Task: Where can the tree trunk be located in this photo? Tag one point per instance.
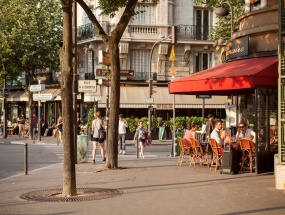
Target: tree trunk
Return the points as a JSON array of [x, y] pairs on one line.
[[112, 145], [69, 178]]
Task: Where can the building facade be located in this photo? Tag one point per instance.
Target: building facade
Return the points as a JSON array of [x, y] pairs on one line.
[[194, 52]]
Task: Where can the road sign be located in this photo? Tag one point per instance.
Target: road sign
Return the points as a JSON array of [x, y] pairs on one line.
[[85, 86], [102, 72], [129, 73], [6, 92], [37, 87], [44, 96], [104, 82], [149, 100], [203, 96]]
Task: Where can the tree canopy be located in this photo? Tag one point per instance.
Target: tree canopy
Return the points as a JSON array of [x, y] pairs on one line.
[[30, 32], [223, 26]]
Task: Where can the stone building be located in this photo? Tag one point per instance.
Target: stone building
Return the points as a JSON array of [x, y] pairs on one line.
[[194, 52]]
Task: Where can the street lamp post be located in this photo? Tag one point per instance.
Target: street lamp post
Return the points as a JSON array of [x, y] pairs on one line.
[[221, 11], [150, 80]]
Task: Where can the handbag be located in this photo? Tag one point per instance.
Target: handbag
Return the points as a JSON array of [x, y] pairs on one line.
[[91, 137]]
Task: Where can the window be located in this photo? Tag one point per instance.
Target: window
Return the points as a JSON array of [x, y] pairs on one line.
[[202, 61], [139, 62], [147, 17], [202, 24]]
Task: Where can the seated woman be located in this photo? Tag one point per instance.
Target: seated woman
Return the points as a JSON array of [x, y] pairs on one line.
[[190, 133], [225, 135]]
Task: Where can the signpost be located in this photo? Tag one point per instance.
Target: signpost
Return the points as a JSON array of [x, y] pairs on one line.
[[203, 104], [128, 73], [45, 97], [149, 100], [37, 87], [85, 86]]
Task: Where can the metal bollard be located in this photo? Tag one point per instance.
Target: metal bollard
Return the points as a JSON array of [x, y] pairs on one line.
[[26, 159], [34, 135]]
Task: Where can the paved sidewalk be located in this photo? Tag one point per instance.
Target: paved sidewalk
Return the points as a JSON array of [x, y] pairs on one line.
[[154, 185]]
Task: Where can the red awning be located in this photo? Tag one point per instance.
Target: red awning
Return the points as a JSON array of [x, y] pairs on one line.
[[229, 78]]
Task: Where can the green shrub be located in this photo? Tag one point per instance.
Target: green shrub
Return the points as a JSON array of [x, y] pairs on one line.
[[90, 117]]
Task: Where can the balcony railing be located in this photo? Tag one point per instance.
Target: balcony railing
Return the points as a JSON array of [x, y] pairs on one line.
[[193, 32], [88, 31]]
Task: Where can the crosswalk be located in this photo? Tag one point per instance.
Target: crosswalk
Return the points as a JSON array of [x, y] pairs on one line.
[[58, 151]]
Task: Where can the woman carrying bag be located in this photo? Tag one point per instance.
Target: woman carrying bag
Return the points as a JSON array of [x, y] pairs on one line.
[[141, 132], [97, 125]]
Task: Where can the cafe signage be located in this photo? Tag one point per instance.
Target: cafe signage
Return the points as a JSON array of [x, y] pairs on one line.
[[237, 48]]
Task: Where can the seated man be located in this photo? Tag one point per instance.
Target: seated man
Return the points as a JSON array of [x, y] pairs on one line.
[[245, 132], [216, 133]]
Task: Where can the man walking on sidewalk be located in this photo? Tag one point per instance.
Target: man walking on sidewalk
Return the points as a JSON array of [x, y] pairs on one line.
[[122, 133]]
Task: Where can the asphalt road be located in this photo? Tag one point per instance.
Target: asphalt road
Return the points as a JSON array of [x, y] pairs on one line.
[[39, 156], [12, 158]]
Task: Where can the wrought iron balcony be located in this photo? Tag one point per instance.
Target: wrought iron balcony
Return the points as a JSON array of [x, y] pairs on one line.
[[88, 31], [193, 32]]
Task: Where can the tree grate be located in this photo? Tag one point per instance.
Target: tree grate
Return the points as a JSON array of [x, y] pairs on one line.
[[83, 194]]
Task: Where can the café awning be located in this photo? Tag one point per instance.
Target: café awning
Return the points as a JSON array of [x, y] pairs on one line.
[[229, 78]]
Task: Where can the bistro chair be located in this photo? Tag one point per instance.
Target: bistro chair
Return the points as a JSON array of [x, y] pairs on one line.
[[248, 153], [217, 154], [184, 150], [197, 152]]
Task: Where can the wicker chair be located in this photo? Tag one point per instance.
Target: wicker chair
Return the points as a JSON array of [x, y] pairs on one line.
[[197, 152], [248, 153], [217, 154], [184, 150]]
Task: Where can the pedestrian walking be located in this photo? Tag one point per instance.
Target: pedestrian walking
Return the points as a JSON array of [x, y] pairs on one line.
[[141, 134], [123, 125], [21, 122], [210, 126], [97, 126]]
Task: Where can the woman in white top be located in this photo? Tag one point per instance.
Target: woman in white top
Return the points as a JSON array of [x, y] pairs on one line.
[[96, 125], [122, 132]]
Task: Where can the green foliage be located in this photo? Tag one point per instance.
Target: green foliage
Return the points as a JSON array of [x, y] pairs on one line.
[[156, 123], [132, 123], [90, 117], [111, 7], [223, 28], [29, 36]]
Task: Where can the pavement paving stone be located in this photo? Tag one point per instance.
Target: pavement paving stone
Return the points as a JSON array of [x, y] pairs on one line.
[[154, 185]]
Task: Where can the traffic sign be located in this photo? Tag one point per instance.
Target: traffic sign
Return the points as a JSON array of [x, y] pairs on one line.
[[37, 87], [85, 86], [102, 72], [44, 96], [129, 73], [203, 96], [149, 100], [6, 92]]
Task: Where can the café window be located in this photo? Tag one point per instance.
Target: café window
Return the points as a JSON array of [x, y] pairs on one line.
[[257, 4]]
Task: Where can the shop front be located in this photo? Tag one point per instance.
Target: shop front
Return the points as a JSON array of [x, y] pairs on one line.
[[251, 85]]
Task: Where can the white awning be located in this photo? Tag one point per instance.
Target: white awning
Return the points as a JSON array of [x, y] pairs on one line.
[[17, 96], [135, 97]]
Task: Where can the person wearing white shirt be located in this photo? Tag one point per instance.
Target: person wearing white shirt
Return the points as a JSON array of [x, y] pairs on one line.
[[245, 132], [122, 133], [216, 133]]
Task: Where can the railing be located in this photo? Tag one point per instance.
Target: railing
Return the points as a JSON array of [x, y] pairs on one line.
[[193, 32], [140, 29], [88, 31]]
